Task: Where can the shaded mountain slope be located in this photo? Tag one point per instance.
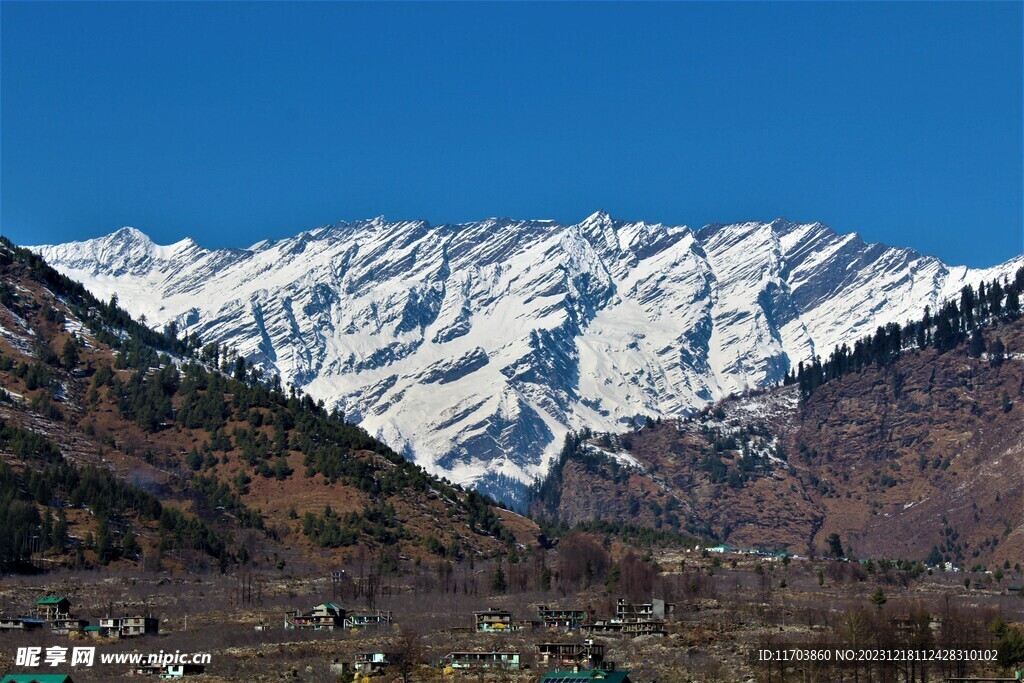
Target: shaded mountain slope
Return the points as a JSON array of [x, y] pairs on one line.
[[201, 460], [919, 458], [474, 348]]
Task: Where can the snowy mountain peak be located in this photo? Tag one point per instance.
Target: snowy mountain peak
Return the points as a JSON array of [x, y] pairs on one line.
[[129, 234], [474, 347], [599, 217]]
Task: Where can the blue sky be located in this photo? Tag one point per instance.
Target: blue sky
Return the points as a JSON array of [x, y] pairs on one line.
[[237, 122]]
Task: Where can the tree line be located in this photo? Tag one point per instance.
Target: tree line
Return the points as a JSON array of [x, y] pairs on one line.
[[175, 381], [956, 322]]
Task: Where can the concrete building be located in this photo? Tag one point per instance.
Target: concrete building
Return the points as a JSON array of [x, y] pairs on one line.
[[128, 626], [506, 659], [586, 654], [367, 619], [490, 620], [554, 617], [372, 662], [326, 616], [655, 609]]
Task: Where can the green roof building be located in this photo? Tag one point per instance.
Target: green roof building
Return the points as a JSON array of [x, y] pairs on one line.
[[53, 607], [36, 678], [51, 600], [596, 675]]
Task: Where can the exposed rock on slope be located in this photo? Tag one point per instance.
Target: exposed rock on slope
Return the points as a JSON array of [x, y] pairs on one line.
[[473, 348]]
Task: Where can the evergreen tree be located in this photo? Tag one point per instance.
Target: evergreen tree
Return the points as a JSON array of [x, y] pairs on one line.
[[977, 346], [239, 372], [46, 530], [995, 299], [967, 305], [130, 544], [60, 532], [498, 582], [1012, 303], [945, 337], [835, 545], [69, 354], [104, 544], [998, 354]]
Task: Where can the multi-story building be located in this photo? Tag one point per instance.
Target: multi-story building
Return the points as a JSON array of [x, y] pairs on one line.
[[586, 654], [128, 626], [554, 617], [506, 659], [326, 616]]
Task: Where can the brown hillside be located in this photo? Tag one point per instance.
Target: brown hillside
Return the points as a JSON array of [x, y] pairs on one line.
[[928, 452], [82, 416]]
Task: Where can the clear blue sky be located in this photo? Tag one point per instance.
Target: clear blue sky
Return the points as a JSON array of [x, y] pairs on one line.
[[237, 122]]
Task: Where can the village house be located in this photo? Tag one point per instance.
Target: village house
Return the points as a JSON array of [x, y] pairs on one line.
[[53, 607], [36, 678], [650, 627], [19, 624], [128, 626], [366, 619], [492, 620], [326, 616], [499, 621], [68, 625], [655, 609], [644, 628], [507, 660], [370, 663], [587, 654], [553, 617]]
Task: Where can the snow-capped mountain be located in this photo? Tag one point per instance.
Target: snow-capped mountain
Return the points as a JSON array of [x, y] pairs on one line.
[[474, 347]]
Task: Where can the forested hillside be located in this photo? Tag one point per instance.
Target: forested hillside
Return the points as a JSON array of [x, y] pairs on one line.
[[906, 444], [126, 445]]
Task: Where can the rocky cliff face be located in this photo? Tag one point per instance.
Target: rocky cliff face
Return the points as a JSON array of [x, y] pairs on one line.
[[473, 348]]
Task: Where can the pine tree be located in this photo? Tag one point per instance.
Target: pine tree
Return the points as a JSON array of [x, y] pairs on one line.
[[998, 354], [69, 354], [945, 337], [130, 544], [1013, 303], [60, 532], [967, 305], [995, 299], [46, 532], [498, 583], [835, 545], [977, 346], [239, 372], [104, 546]]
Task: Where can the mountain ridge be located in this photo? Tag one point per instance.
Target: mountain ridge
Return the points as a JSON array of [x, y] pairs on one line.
[[474, 347], [905, 444]]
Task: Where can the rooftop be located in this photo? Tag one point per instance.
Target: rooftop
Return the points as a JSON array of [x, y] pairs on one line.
[[51, 600], [587, 675]]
